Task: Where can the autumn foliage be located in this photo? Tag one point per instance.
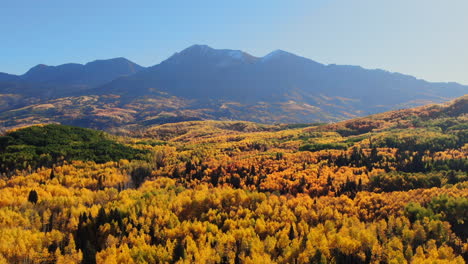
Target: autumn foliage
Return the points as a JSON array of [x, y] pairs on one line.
[[373, 191]]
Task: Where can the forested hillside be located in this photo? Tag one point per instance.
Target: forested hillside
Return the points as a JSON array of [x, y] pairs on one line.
[[388, 188]]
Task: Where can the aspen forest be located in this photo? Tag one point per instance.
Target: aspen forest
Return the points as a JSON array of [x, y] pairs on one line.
[[387, 188]]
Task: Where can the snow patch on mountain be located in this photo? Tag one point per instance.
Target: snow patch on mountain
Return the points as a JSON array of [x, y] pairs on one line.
[[236, 54], [273, 54]]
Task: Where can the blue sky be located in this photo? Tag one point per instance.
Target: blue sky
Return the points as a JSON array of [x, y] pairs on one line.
[[427, 39]]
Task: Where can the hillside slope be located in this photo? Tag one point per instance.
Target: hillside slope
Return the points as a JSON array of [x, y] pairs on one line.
[[385, 188]]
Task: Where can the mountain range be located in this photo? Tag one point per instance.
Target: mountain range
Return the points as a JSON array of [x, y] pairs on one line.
[[205, 83], [52, 81]]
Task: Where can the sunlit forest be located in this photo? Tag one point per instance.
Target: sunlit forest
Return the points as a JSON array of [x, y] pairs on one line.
[[388, 188]]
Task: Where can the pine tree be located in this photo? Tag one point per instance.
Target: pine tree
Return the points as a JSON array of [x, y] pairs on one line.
[[179, 251], [291, 233], [33, 197]]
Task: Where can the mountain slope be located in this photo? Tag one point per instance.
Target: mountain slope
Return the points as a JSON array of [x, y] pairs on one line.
[[52, 81], [451, 115], [205, 83], [200, 72], [90, 74], [5, 77]]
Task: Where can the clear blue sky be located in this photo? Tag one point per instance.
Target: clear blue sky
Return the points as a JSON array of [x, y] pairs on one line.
[[425, 38]]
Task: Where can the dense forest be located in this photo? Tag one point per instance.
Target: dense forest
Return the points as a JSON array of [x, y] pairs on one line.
[[388, 188]]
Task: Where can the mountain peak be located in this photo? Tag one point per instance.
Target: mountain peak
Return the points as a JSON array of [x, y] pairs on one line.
[[115, 62], [276, 54], [36, 69], [197, 48], [78, 75], [118, 59], [218, 57]]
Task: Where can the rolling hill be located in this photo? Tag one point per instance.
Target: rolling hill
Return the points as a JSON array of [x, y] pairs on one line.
[[387, 188]]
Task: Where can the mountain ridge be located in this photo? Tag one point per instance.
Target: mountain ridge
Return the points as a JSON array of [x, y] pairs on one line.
[[277, 51], [50, 81], [200, 83], [204, 72]]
